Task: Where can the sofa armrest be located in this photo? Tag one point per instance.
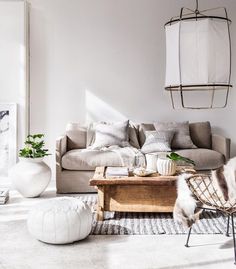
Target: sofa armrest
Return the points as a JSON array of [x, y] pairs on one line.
[[61, 148], [222, 145]]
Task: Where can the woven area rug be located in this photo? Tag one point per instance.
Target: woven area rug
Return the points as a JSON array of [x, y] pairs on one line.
[[121, 223]]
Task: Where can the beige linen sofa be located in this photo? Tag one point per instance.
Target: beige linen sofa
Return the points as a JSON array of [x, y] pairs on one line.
[[75, 163]]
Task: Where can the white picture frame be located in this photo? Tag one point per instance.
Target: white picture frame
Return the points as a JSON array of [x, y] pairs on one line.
[[8, 137]]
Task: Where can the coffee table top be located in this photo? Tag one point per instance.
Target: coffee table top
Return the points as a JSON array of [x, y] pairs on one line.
[[154, 179]]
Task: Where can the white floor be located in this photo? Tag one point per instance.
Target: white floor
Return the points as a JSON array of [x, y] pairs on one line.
[[20, 251]]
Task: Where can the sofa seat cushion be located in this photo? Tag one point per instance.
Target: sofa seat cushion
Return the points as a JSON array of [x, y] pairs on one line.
[[204, 158], [89, 159]]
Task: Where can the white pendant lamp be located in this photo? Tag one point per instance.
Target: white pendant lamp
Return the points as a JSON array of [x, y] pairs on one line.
[[198, 55]]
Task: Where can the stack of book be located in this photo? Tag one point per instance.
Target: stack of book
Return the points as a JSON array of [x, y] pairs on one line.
[[4, 195], [117, 172]]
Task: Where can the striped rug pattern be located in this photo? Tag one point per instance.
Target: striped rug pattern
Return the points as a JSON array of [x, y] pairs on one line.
[[124, 223]]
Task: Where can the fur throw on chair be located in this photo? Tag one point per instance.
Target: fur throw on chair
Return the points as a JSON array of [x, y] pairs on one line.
[[185, 209], [223, 179]]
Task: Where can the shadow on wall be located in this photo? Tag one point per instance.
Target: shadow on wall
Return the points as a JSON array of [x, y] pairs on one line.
[[98, 110]]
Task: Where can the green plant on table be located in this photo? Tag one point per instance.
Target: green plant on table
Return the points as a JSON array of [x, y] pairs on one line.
[[176, 157], [34, 147]]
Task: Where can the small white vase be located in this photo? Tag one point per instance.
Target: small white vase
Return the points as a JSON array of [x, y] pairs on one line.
[[165, 166], [30, 176]]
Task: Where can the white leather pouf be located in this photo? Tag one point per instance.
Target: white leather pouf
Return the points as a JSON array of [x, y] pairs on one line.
[[60, 220]]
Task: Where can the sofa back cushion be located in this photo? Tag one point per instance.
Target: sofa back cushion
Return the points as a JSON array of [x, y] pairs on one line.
[[76, 136], [133, 135], [181, 139], [143, 127], [200, 133]]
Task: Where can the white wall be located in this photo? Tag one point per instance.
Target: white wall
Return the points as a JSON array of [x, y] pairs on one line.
[[105, 59], [14, 61]]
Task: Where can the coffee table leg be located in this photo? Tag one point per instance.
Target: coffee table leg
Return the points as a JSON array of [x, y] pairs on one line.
[[100, 209]]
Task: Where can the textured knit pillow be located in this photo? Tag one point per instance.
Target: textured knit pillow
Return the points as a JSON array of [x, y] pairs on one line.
[[111, 134], [157, 141], [181, 139]]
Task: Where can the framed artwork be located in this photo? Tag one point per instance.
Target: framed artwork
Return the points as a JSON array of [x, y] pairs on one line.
[[8, 137]]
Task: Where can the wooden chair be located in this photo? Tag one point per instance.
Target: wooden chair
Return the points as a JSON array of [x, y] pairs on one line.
[[204, 190]]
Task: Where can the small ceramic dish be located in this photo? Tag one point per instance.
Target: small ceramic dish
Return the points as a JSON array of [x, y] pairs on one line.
[[142, 172]]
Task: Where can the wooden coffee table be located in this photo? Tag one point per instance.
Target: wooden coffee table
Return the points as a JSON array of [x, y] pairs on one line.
[[154, 193]]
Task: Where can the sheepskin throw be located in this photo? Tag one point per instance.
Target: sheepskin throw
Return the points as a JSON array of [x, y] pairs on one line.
[[218, 190]]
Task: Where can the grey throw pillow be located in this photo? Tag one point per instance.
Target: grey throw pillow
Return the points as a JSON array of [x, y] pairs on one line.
[[181, 139], [111, 134], [157, 141], [133, 135]]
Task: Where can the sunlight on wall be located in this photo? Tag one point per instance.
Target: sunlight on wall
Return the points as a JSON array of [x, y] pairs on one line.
[[98, 110]]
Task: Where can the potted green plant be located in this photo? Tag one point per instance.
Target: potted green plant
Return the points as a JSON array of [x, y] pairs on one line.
[[167, 165], [34, 147], [31, 175], [176, 157]]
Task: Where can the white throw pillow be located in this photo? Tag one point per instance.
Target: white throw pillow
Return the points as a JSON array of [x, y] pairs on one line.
[[132, 134], [107, 135], [157, 141]]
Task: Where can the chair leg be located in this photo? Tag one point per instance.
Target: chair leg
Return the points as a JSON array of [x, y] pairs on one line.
[[189, 233], [232, 219], [228, 221]]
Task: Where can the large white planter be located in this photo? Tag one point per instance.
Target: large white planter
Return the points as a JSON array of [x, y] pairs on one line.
[[30, 176], [165, 166]]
